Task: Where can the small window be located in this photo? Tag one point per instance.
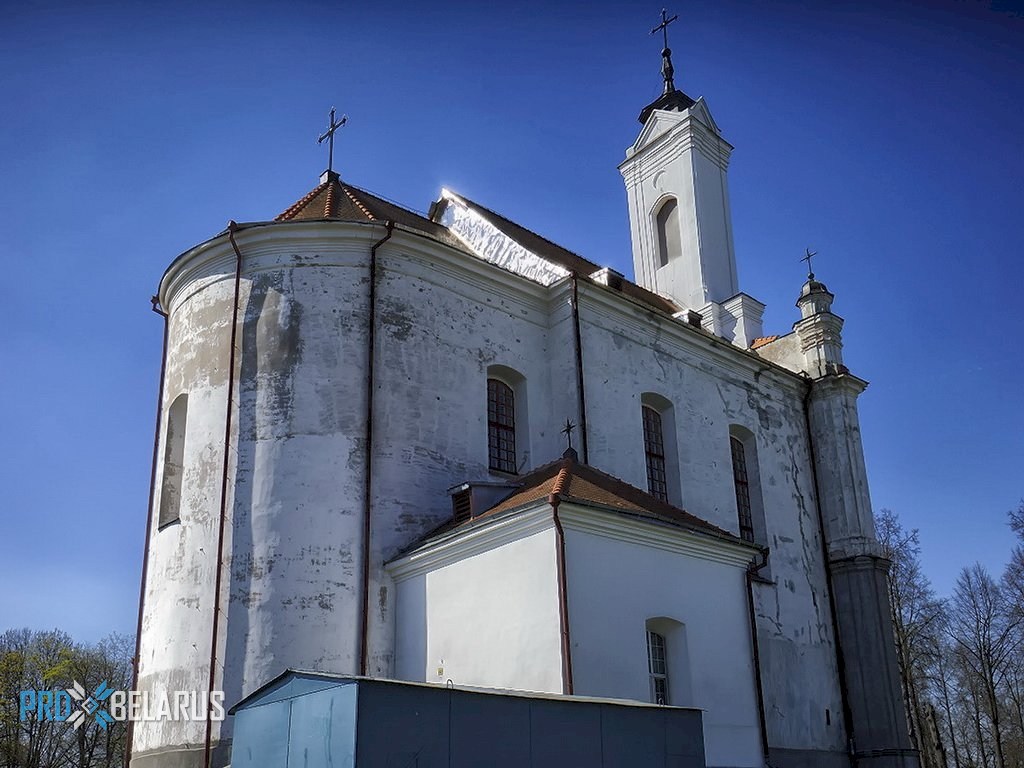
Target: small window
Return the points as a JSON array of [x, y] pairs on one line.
[[501, 426], [669, 246], [741, 479], [654, 451], [174, 461], [657, 665]]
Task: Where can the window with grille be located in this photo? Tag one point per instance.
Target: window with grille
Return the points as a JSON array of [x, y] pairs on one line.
[[501, 426], [654, 451], [658, 667], [742, 482]]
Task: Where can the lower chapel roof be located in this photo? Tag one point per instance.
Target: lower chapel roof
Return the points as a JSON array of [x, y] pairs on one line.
[[569, 480]]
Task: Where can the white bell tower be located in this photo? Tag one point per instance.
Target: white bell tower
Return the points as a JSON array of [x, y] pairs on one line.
[[679, 215]]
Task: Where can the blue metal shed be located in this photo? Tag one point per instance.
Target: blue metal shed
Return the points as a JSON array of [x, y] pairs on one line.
[[312, 720]]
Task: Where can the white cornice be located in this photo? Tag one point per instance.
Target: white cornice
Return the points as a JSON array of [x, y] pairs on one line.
[[335, 243], [491, 533], [471, 540], [612, 305], [650, 533]]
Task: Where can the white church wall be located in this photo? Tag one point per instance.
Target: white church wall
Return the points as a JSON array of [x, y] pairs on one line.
[[616, 586], [711, 392], [290, 548], [443, 322], [484, 618]]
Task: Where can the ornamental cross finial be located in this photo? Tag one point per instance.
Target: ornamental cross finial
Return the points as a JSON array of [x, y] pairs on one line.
[[328, 135], [667, 72], [809, 254], [567, 431]]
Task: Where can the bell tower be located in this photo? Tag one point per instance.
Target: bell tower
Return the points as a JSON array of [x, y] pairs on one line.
[[679, 215]]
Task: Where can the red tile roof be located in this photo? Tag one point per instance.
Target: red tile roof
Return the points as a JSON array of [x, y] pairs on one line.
[[336, 200], [570, 481], [760, 342]]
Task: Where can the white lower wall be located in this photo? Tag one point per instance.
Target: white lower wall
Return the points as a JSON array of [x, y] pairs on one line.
[[490, 619], [615, 587]]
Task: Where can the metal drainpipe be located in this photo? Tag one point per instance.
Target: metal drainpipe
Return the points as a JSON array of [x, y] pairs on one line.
[[840, 659], [149, 526], [579, 369], [364, 648], [232, 228], [563, 606], [752, 570]]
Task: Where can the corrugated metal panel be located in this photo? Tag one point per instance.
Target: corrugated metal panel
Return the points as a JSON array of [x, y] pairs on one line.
[[297, 722]]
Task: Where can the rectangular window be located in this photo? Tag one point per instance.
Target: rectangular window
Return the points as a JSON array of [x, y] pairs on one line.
[[654, 451], [657, 667]]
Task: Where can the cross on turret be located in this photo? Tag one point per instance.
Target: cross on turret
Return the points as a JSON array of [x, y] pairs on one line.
[[809, 255]]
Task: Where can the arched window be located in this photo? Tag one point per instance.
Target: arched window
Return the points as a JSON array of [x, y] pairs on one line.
[[741, 480], [668, 662], [660, 455], [501, 426], [174, 461], [746, 477], [654, 452], [667, 220]]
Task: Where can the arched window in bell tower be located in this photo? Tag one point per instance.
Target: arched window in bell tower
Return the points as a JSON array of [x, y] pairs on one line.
[[667, 222]]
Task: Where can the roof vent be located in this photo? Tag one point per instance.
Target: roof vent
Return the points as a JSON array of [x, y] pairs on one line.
[[462, 504], [609, 277], [474, 498]]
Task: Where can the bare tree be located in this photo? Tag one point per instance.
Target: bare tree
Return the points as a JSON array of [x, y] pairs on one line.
[[986, 638], [917, 617]]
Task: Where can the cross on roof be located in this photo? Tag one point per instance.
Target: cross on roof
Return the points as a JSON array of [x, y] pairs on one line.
[[567, 431], [809, 255], [329, 136]]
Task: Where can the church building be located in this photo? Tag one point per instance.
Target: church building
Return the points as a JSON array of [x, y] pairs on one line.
[[443, 449]]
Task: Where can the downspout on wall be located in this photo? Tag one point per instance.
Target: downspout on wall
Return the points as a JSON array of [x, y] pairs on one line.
[[232, 228], [580, 386], [371, 323], [563, 604], [833, 614], [149, 523], [752, 574]]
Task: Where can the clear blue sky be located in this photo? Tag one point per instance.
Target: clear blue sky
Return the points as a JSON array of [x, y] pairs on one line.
[[886, 135]]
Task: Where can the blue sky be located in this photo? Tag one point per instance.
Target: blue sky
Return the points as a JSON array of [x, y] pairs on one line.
[[884, 135]]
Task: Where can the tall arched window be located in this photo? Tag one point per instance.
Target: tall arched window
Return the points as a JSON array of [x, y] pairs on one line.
[[660, 455], [741, 479], [501, 426], [654, 452], [174, 461], [669, 244]]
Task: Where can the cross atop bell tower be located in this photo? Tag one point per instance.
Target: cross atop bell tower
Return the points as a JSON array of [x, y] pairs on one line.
[[667, 73]]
